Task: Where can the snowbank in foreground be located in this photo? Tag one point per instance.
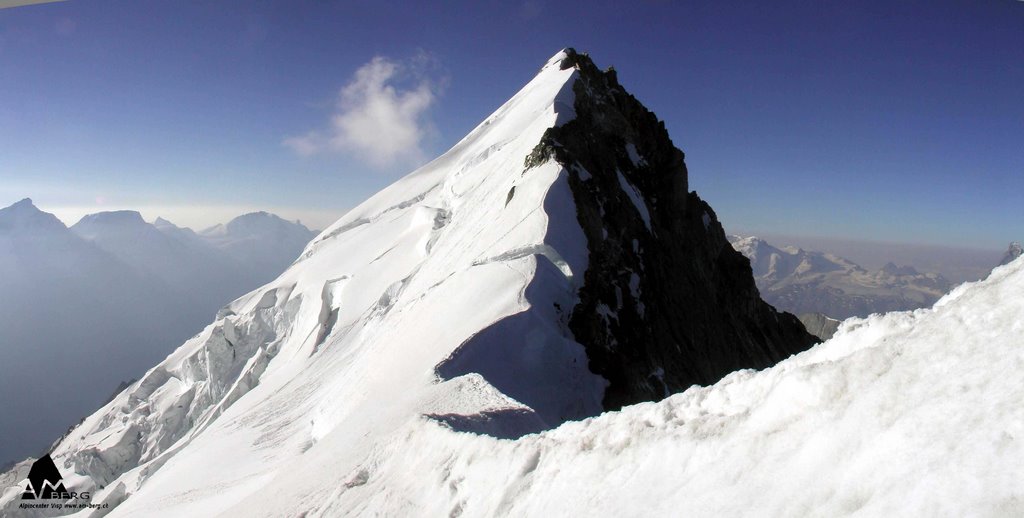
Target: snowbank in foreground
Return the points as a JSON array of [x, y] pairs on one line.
[[904, 414]]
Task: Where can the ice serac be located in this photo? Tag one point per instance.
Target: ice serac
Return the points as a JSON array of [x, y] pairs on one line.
[[666, 302], [477, 294]]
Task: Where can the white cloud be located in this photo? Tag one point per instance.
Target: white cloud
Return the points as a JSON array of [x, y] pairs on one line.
[[380, 115]]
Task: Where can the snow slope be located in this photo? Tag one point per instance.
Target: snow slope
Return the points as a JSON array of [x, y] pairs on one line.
[[904, 414], [389, 312]]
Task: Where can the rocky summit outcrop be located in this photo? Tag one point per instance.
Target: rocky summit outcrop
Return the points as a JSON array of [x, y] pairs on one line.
[[666, 302], [1012, 253]]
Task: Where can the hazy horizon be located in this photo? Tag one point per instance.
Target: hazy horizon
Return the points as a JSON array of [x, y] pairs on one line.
[[958, 263], [199, 218]]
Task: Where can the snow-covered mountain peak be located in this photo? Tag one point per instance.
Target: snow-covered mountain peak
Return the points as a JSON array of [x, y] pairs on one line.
[[521, 120], [551, 265]]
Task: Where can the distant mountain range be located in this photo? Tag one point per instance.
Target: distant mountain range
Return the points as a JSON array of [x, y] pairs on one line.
[[802, 281], [98, 303]]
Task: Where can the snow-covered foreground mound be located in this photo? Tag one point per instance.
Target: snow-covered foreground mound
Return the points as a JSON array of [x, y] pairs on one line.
[[904, 414]]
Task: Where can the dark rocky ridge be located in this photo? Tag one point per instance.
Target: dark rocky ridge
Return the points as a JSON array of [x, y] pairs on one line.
[[666, 303]]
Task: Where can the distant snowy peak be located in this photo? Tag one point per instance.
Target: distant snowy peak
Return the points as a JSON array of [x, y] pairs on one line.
[[804, 281], [120, 231], [773, 264], [114, 218], [257, 224], [1012, 253], [104, 225], [264, 242], [24, 216]]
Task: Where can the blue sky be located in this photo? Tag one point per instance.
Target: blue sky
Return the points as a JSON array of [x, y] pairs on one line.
[[885, 121]]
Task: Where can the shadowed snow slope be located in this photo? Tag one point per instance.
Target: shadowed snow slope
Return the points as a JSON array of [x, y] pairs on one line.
[[446, 303], [904, 414]]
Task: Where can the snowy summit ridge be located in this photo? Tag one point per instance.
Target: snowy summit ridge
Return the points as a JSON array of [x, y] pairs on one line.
[[551, 265]]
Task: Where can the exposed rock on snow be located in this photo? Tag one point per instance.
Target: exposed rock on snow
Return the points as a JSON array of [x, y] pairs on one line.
[[1012, 253], [694, 313]]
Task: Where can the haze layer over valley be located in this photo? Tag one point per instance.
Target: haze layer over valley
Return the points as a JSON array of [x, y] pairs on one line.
[[88, 307]]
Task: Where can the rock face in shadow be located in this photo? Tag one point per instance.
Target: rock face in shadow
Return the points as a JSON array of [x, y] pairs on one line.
[[666, 302]]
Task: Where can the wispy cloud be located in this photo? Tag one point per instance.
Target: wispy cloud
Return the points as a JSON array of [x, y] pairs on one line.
[[381, 114]]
